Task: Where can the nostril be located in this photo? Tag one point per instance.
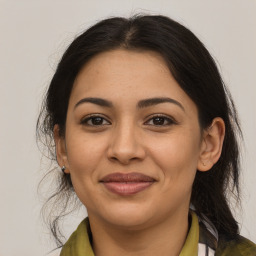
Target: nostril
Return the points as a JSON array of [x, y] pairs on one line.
[[123, 160], [113, 158]]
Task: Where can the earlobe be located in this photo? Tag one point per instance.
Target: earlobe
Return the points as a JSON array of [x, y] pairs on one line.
[[211, 146], [60, 148]]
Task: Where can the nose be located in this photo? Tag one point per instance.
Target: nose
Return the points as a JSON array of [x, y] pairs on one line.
[[126, 145]]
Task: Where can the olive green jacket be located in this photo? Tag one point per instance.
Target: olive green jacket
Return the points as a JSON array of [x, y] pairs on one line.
[[79, 244], [237, 247]]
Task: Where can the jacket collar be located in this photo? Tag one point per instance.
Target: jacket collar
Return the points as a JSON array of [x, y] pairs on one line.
[[200, 240]]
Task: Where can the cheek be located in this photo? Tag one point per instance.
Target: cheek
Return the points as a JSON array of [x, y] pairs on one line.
[[177, 157], [84, 154]]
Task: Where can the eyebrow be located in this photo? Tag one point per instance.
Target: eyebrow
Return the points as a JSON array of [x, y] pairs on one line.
[[154, 101], [97, 101], [141, 104]]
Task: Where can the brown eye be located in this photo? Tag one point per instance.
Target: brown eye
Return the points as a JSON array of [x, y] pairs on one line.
[[95, 121], [158, 120], [161, 121]]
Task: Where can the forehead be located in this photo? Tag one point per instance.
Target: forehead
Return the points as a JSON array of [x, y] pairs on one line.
[[123, 64], [123, 75]]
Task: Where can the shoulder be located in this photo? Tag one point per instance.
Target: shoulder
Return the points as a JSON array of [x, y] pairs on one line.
[[240, 246]]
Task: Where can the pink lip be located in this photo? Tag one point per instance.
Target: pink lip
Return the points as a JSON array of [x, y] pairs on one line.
[[128, 183]]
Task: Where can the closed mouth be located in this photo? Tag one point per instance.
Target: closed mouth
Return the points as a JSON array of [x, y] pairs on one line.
[[127, 184], [127, 177]]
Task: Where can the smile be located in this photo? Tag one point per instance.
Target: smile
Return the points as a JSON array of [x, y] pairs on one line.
[[127, 184]]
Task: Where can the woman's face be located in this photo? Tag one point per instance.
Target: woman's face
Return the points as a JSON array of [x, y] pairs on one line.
[[127, 115]]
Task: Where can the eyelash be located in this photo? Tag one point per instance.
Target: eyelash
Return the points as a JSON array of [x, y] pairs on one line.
[[84, 121], [170, 121]]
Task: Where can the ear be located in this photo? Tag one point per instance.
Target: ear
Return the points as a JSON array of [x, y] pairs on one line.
[[60, 145], [211, 146]]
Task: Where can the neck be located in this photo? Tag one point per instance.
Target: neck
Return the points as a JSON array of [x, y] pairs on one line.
[[166, 238]]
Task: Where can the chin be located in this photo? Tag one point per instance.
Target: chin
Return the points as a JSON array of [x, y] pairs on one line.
[[130, 218]]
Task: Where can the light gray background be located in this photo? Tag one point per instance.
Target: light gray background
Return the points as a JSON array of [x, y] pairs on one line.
[[33, 35]]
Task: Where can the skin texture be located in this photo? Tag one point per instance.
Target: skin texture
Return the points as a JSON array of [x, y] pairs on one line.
[[127, 139]]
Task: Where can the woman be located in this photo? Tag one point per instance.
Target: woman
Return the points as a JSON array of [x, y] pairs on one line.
[[146, 134]]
